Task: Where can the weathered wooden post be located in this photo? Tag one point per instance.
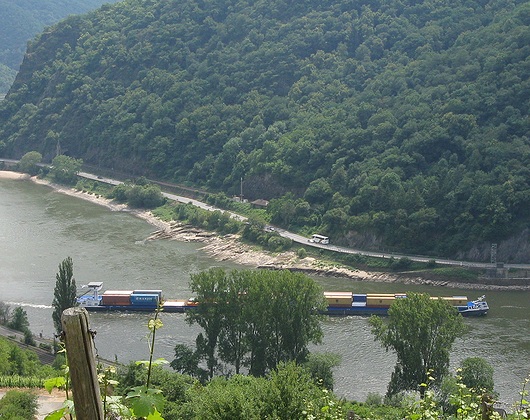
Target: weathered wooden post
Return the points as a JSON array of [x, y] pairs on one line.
[[82, 364]]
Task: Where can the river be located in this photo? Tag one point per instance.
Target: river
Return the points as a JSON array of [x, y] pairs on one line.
[[39, 228]]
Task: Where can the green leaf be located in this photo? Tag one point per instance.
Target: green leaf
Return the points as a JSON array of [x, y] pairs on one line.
[[146, 401], [140, 408], [56, 415], [155, 416], [52, 383]]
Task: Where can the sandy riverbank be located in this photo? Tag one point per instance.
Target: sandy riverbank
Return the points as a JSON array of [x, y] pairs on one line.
[[230, 248], [13, 175]]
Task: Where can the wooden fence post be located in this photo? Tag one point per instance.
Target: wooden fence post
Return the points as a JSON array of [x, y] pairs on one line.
[[82, 364]]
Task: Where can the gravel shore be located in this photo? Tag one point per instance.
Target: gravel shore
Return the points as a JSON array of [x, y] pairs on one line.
[[230, 248]]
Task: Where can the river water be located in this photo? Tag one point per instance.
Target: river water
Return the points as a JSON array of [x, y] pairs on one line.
[[39, 228]]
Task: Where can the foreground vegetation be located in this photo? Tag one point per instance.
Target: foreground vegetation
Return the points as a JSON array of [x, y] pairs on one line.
[[284, 380]]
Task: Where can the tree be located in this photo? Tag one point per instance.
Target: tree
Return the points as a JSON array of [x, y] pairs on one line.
[[65, 169], [259, 318], [28, 163], [65, 291], [19, 320], [209, 287], [186, 361], [283, 318], [421, 331], [233, 346], [476, 373]]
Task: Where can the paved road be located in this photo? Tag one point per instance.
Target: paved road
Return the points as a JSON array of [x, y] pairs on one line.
[[174, 197], [303, 240]]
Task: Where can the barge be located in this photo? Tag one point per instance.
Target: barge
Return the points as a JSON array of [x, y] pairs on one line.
[[348, 303], [339, 303]]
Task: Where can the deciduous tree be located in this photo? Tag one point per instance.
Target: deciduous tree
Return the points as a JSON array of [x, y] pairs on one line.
[[19, 320], [210, 287], [477, 373], [65, 169], [257, 318], [421, 331], [28, 163]]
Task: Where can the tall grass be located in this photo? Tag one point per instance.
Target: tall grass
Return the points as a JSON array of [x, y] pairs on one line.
[[16, 381]]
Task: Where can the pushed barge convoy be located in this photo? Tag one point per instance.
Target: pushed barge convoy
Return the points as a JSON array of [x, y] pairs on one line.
[[348, 303], [339, 303]]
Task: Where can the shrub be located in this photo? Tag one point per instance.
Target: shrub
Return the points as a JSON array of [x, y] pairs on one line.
[[374, 399], [28, 338], [401, 264], [302, 253], [17, 405]]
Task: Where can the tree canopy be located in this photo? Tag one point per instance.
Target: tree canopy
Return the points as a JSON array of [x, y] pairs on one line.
[[421, 332], [65, 169], [29, 163], [21, 20], [391, 124], [256, 319]]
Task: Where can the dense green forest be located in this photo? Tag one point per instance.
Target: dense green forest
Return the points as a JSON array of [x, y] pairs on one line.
[[396, 124], [21, 20]]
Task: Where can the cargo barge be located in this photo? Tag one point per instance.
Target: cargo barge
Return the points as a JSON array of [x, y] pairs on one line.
[[339, 303], [348, 303]]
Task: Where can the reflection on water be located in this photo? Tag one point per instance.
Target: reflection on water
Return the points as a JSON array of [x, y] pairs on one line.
[[39, 228]]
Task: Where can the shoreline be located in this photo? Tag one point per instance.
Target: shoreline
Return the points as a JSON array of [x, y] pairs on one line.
[[230, 248]]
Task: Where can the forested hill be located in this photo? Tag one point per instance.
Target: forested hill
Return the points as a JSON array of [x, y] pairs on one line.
[[21, 20], [396, 123]]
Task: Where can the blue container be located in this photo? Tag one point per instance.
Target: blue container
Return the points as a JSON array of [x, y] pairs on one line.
[[144, 300], [359, 298], [148, 292]]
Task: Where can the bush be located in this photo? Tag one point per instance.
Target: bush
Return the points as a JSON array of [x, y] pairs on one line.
[[301, 253], [431, 264], [477, 373], [401, 264], [320, 367], [17, 405], [277, 243], [141, 196], [45, 346], [28, 338], [29, 163], [374, 399]]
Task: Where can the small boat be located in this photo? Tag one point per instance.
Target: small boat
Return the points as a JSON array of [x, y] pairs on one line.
[[339, 303]]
